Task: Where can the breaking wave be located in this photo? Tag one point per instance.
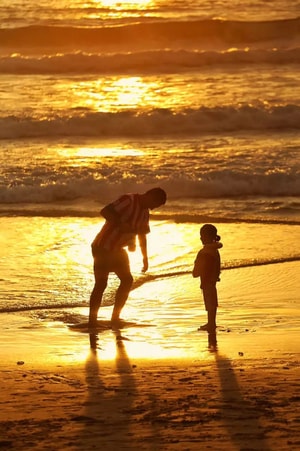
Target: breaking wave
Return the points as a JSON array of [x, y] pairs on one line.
[[157, 61], [162, 121]]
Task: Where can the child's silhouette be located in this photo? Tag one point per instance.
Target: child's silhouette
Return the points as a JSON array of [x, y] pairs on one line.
[[207, 266]]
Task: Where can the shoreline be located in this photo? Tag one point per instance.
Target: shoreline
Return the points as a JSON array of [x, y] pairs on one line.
[[46, 343]]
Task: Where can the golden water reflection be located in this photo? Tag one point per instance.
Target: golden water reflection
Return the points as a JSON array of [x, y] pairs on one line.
[[114, 93], [120, 6], [99, 152]]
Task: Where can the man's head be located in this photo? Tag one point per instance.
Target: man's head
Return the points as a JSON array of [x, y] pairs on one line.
[[154, 198]]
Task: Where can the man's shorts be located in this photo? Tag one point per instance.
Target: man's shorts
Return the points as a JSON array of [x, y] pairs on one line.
[[110, 260]]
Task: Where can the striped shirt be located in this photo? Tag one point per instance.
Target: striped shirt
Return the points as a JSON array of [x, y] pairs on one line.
[[130, 212]]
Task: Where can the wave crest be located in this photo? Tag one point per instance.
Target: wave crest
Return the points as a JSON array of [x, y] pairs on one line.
[[160, 61], [166, 34], [164, 121]]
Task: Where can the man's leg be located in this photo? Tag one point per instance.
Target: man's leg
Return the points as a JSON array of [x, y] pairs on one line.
[[97, 293], [126, 279]]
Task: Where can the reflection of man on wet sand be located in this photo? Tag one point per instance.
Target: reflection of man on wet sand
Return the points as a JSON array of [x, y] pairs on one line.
[[126, 218]]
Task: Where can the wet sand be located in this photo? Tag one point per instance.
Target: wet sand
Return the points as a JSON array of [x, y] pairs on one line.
[[158, 384]]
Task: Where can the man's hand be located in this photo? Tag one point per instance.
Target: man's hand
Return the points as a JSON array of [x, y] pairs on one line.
[[145, 264], [143, 245]]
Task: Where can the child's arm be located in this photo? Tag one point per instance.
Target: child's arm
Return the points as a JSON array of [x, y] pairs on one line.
[[204, 268], [197, 267]]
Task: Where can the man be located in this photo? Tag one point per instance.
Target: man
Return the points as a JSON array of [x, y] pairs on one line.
[[126, 218]]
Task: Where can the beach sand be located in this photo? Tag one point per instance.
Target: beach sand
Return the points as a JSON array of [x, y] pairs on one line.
[[128, 393], [220, 404]]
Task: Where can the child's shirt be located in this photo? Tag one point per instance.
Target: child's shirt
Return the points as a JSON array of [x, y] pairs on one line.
[[207, 265]]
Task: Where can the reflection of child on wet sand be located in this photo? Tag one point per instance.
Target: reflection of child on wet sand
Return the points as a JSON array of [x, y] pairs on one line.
[[207, 266]]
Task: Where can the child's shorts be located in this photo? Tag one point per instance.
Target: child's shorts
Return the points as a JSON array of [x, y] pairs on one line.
[[210, 297]]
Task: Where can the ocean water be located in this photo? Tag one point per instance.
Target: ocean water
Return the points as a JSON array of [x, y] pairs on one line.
[[100, 98]]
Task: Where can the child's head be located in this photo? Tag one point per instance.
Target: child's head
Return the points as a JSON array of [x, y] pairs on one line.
[[209, 234]]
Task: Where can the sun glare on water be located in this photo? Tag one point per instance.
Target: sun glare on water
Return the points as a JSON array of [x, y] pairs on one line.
[[124, 5], [112, 93], [92, 152]]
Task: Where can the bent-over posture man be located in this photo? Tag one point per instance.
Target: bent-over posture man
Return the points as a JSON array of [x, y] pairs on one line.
[[126, 218]]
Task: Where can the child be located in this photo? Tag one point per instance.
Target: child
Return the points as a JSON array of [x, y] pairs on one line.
[[207, 266]]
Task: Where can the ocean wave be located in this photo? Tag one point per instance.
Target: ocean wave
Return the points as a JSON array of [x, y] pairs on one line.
[[78, 187], [159, 61], [158, 122], [166, 34]]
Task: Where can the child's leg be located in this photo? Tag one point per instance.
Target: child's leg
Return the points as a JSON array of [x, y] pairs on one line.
[[211, 304], [204, 293], [211, 318]]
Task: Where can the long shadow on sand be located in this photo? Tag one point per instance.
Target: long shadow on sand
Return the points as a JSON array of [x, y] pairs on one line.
[[238, 415], [111, 406], [111, 393]]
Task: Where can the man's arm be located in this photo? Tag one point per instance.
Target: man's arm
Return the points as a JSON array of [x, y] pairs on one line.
[[143, 245]]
